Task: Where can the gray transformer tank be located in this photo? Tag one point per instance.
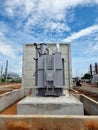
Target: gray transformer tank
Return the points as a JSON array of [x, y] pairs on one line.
[[49, 75]]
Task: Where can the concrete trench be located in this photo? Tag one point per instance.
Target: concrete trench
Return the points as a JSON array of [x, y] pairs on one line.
[[9, 98], [90, 105], [48, 122]]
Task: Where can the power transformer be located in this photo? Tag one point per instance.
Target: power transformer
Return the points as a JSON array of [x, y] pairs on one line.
[[49, 74]]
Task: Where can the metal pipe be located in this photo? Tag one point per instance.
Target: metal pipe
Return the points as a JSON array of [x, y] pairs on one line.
[[96, 68], [90, 69], [1, 74], [6, 71]]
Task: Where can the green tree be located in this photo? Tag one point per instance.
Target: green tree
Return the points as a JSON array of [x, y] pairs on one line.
[[87, 76], [12, 77]]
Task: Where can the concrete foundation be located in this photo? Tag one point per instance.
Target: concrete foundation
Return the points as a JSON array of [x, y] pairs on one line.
[[50, 106]]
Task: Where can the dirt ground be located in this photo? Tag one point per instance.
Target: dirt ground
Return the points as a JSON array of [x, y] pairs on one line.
[[88, 90], [4, 88], [10, 110]]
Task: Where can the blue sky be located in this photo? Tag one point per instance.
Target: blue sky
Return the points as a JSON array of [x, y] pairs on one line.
[[29, 21]]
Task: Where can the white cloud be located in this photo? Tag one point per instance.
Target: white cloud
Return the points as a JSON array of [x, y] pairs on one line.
[[57, 26], [40, 12], [20, 7], [15, 65], [92, 49], [82, 33], [3, 28], [1, 34], [7, 47], [96, 1], [51, 8], [57, 6], [6, 50], [11, 52]]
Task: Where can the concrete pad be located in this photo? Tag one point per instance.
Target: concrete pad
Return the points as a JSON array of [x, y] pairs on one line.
[[50, 106]]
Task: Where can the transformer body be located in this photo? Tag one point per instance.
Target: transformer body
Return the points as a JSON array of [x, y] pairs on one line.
[[49, 72]]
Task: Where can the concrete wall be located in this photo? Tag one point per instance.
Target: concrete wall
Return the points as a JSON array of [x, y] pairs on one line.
[[9, 98], [28, 78], [48, 123], [90, 105]]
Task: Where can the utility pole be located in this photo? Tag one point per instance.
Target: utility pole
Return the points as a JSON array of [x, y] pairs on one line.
[[6, 71], [1, 74]]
